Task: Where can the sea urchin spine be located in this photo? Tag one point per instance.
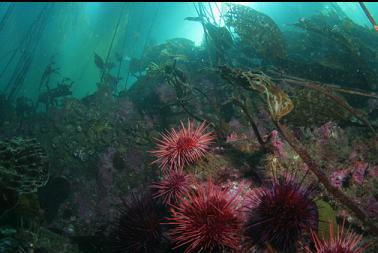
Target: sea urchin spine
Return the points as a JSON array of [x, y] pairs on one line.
[[281, 215], [172, 187], [139, 225], [206, 221], [179, 148], [344, 242]]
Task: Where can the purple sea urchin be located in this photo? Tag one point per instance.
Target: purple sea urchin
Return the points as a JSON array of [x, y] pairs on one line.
[[281, 215], [139, 225]]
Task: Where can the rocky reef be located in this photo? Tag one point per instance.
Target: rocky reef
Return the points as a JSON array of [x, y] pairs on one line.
[[118, 172]]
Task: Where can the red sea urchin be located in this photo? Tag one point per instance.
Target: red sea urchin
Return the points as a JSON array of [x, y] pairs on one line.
[[206, 221], [172, 187], [344, 242], [187, 145], [281, 215]]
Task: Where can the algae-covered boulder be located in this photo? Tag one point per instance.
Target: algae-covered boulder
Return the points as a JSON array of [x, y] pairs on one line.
[[23, 165]]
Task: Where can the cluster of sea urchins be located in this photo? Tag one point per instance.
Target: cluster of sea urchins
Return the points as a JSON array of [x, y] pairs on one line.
[[176, 149], [205, 217]]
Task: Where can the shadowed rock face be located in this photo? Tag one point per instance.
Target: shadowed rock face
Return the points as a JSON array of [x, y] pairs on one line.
[[8, 199], [53, 194]]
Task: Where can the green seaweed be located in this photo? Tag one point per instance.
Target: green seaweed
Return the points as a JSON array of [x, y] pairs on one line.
[[326, 216]]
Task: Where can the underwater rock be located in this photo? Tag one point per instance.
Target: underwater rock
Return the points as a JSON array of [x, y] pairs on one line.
[[53, 243], [8, 199], [119, 162], [41, 250], [371, 207], [209, 166], [9, 245], [52, 195], [28, 207]]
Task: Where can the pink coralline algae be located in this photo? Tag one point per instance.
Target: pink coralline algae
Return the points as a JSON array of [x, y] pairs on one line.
[[325, 130], [225, 174], [358, 150], [338, 177], [127, 110], [371, 208], [232, 137], [304, 167], [374, 171], [359, 171], [277, 144], [235, 124]]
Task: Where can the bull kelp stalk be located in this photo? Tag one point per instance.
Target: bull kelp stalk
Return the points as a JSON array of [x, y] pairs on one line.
[[27, 49], [6, 15], [338, 10], [124, 41], [153, 21], [252, 122], [279, 104], [368, 15], [112, 41], [201, 13], [311, 84]]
